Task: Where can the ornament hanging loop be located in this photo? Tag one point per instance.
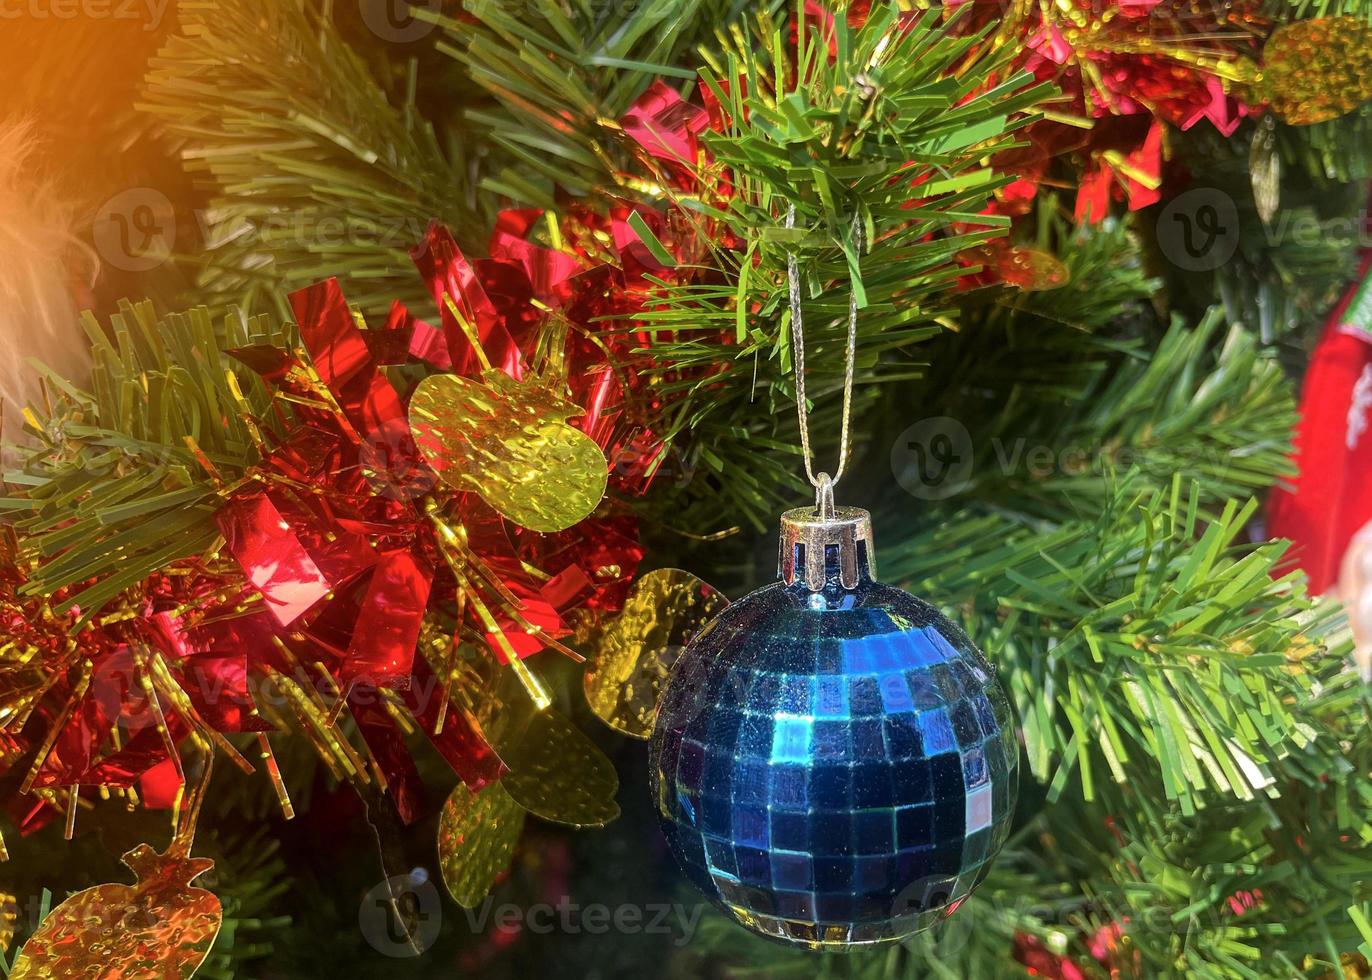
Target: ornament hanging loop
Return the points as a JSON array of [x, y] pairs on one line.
[[824, 497]]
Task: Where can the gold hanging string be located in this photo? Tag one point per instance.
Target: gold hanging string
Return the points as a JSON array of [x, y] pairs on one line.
[[823, 483]]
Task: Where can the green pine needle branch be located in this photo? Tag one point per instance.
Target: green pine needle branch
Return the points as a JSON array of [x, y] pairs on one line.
[[122, 480], [312, 171]]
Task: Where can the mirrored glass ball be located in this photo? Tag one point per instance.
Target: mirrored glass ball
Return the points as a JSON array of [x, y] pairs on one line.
[[834, 768]]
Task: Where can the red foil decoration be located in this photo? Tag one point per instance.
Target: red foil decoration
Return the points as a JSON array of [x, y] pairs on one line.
[[667, 126], [330, 558], [387, 629], [273, 558], [452, 279]]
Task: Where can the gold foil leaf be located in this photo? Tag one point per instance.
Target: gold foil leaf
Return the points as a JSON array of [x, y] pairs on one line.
[[559, 774], [1025, 267], [509, 441], [477, 833], [1317, 70], [9, 917], [157, 929], [664, 610], [1033, 269]]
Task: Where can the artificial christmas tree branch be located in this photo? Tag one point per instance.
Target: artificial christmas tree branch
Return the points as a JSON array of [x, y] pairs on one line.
[[312, 169], [997, 196], [563, 75]]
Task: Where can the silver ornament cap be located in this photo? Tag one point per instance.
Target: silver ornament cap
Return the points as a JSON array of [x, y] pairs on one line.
[[807, 534]]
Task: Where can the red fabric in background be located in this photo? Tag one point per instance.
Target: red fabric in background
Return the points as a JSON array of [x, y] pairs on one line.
[[1331, 496]]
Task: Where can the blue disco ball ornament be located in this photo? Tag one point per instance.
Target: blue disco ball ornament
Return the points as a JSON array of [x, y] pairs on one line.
[[833, 762]]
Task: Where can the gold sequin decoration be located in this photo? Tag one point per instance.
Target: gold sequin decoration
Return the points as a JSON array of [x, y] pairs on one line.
[[559, 774], [509, 441], [157, 929], [477, 833], [1317, 70], [665, 608]]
